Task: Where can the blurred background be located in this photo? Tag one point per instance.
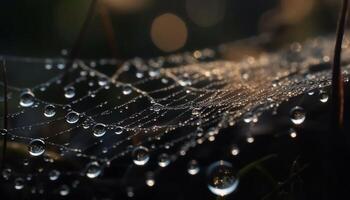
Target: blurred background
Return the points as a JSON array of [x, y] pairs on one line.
[[148, 28]]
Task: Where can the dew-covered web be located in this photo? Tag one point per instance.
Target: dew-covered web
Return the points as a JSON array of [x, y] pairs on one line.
[[76, 121]]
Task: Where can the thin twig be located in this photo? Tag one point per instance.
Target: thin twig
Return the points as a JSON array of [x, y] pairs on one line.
[[5, 122], [108, 29], [337, 77], [75, 52]]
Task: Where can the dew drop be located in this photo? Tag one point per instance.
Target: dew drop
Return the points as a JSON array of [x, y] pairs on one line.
[[49, 111], [64, 190], [127, 90], [36, 147], [93, 170], [193, 167], [119, 130], [323, 96], [69, 92], [19, 183], [150, 179], [292, 133], [297, 115], [3, 132], [99, 130], [163, 160], [54, 174], [140, 155], [234, 150], [6, 173], [72, 117], [27, 98], [221, 178], [102, 81]]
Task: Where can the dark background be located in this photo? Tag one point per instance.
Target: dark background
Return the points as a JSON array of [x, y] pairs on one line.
[[42, 28]]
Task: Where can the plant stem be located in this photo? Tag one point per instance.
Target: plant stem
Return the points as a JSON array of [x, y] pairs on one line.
[[5, 121], [337, 78]]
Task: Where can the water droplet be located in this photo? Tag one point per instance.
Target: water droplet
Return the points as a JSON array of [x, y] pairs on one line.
[[234, 150], [297, 115], [163, 160], [49, 111], [323, 96], [292, 133], [130, 192], [250, 139], [221, 178], [156, 107], [36, 147], [119, 130], [193, 167], [140, 155], [102, 81], [150, 179], [127, 90], [27, 98], [54, 174], [99, 130], [64, 190], [196, 111], [6, 173], [93, 170], [72, 117], [69, 92], [3, 132], [19, 183]]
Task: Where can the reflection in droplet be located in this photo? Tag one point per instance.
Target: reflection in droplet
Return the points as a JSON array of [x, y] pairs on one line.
[[69, 92], [163, 160], [99, 130], [93, 170], [49, 111], [140, 155], [72, 117], [297, 115], [19, 183], [193, 167], [36, 147], [54, 174], [221, 178], [27, 98]]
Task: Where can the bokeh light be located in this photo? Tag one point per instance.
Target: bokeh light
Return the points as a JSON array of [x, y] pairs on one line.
[[206, 13], [169, 32]]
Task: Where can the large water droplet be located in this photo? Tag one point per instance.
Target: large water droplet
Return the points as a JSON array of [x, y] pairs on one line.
[[127, 90], [221, 178], [69, 92], [119, 130], [6, 173], [64, 190], [54, 174], [49, 111], [297, 115], [140, 155], [323, 96], [150, 179], [93, 170], [19, 183], [36, 147], [72, 117], [193, 167], [27, 98], [99, 130], [163, 160]]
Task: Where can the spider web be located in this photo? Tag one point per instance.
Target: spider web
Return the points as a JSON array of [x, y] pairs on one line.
[[166, 104]]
